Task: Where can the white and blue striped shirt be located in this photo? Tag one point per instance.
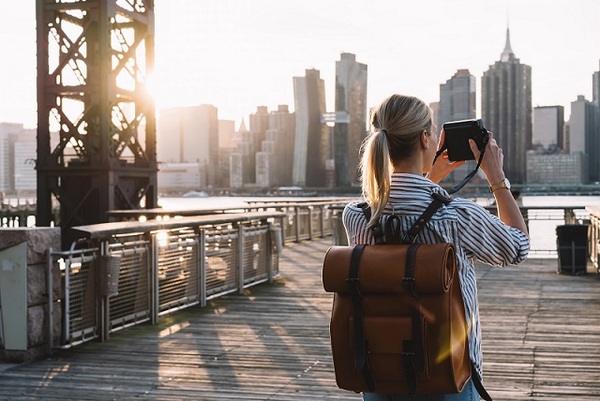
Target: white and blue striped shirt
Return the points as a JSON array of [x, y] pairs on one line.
[[477, 235]]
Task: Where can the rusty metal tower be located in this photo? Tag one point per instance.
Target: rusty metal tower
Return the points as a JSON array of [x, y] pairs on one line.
[[96, 142]]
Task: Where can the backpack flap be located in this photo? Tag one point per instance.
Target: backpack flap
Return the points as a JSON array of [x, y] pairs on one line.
[[383, 268]]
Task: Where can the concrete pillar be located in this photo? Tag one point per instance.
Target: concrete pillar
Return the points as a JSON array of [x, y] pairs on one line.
[[24, 295]]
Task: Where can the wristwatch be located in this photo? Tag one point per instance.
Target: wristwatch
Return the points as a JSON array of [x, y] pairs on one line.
[[502, 184]]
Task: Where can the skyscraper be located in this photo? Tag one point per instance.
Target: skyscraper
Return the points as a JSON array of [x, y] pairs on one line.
[[311, 140], [596, 88], [6, 151], [258, 130], [457, 98], [281, 131], [242, 159], [457, 102], [548, 127], [507, 111], [18, 150], [190, 135], [350, 98], [274, 161], [584, 129]]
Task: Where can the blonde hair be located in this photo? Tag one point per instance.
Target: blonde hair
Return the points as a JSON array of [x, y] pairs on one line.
[[396, 125]]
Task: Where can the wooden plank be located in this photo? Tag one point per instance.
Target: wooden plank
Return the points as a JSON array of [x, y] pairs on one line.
[[541, 341]]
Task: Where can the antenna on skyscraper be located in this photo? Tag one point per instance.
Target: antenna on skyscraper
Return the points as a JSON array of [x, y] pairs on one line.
[[507, 53]]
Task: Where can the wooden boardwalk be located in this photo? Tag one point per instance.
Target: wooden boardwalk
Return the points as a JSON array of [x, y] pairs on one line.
[[541, 342]]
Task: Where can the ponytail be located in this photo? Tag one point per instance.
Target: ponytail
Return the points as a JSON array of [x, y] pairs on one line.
[[376, 173], [396, 125]]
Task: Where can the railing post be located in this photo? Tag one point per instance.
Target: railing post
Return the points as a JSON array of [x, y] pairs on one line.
[[310, 212], [50, 288], [154, 301], [240, 258], [269, 240], [67, 308], [322, 220], [297, 222], [202, 265], [104, 299], [570, 216]]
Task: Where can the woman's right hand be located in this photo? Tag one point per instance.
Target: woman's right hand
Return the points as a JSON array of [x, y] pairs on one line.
[[493, 160], [492, 166]]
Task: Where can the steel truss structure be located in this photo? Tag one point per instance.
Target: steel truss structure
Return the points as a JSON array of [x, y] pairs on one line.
[[96, 143]]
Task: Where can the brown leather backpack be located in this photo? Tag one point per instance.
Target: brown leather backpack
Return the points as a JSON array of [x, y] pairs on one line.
[[398, 321]]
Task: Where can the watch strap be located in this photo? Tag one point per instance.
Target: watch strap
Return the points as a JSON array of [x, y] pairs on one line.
[[500, 185]]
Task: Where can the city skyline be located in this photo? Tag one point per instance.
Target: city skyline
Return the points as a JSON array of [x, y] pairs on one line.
[[236, 56]]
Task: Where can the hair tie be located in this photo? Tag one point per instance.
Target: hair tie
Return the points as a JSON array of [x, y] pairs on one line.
[[384, 131]]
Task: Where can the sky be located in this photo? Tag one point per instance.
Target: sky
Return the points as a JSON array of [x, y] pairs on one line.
[[240, 54]]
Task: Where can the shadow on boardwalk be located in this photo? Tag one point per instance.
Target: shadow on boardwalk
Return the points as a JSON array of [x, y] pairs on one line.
[[541, 342]]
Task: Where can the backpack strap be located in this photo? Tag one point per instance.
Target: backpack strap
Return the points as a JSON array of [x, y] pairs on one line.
[[360, 351], [436, 203], [478, 384], [391, 232], [377, 230], [408, 281]]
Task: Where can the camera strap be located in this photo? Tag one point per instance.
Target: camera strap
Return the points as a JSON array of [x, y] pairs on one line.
[[470, 175]]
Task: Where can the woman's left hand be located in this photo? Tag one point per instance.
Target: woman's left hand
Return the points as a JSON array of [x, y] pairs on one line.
[[442, 166]]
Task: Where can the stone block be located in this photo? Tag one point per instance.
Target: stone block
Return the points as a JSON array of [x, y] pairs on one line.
[[37, 292], [39, 240], [36, 334]]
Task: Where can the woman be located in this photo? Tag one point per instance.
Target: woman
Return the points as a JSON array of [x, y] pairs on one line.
[[399, 177]]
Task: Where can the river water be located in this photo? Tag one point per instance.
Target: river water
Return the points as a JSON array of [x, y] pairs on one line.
[[542, 232], [173, 203]]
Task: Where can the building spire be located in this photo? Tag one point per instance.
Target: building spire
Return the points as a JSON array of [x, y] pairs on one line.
[[507, 54], [243, 128]]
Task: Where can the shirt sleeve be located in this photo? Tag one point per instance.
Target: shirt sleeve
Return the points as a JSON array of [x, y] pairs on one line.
[[355, 224], [485, 237]]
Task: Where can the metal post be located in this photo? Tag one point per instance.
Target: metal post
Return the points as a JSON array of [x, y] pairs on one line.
[[240, 258], [154, 301], [322, 220], [202, 265], [310, 213], [297, 222], [270, 242], [67, 307], [104, 301], [50, 301]]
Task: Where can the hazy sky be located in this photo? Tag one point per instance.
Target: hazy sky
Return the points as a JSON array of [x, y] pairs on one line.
[[239, 54]]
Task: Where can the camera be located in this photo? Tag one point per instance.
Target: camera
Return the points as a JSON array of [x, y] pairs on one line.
[[457, 138]]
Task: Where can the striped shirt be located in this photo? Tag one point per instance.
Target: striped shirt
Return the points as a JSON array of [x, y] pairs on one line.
[[477, 235]]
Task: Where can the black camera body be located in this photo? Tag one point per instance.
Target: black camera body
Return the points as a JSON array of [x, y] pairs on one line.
[[457, 138]]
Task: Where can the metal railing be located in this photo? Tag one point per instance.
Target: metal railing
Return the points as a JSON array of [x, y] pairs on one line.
[[126, 273], [541, 222], [130, 272]]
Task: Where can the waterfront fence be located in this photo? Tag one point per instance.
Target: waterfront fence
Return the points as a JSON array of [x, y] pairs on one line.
[[541, 222], [130, 272]]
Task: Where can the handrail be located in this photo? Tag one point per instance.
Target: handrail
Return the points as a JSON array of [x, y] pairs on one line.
[[243, 207], [105, 230], [533, 216], [175, 260]]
